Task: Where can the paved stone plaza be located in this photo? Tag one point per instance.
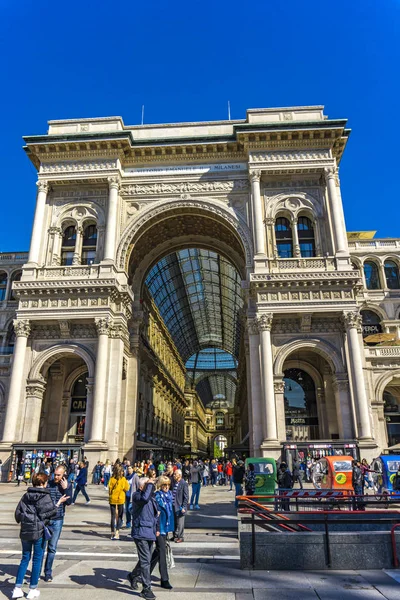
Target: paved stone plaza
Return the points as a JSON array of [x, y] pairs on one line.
[[90, 565]]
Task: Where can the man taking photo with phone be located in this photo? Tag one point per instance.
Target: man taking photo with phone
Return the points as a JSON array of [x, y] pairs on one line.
[[58, 487]]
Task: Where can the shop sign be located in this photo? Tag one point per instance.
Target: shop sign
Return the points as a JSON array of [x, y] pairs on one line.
[[78, 405]]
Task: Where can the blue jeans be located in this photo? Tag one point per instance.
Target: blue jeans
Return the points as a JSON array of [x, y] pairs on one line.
[[56, 526], [205, 480], [214, 476], [195, 493], [38, 551], [106, 479], [80, 488], [238, 492]]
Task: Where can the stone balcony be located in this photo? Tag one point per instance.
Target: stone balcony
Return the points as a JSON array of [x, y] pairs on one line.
[[11, 258], [374, 246], [283, 265], [382, 352]]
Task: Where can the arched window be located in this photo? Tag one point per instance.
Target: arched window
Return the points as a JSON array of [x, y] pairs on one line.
[[300, 406], [305, 231], [89, 245], [371, 275], [16, 277], [371, 323], [3, 286], [78, 407], [392, 275], [220, 419], [68, 245], [283, 236]]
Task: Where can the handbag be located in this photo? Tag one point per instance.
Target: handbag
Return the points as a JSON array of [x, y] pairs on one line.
[[170, 556], [48, 532]]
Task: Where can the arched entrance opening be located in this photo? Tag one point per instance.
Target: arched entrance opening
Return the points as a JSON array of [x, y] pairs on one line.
[[301, 416], [315, 401], [220, 443], [57, 395], [187, 269], [391, 398]]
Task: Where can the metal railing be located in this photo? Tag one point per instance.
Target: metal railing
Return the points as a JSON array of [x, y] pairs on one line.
[[255, 514]]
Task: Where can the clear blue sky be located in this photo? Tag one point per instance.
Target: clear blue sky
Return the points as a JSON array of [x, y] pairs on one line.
[[184, 60]]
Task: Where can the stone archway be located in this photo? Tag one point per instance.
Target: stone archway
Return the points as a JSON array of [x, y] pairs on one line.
[[46, 406], [212, 210], [323, 364]]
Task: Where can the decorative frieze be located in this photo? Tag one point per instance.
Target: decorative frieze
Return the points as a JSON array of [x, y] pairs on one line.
[[77, 166], [152, 189], [301, 295], [279, 156]]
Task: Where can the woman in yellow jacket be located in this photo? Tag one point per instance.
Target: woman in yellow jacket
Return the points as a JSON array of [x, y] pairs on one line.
[[117, 488]]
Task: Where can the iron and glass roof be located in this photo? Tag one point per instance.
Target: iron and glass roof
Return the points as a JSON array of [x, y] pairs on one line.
[[198, 295]]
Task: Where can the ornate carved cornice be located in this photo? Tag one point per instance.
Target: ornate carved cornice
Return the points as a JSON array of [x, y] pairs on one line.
[[22, 327], [264, 321], [77, 166]]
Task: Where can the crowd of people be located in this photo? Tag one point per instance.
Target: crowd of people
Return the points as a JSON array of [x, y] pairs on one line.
[[151, 499]]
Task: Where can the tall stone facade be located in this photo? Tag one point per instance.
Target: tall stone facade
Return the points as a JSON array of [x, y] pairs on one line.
[[87, 358]]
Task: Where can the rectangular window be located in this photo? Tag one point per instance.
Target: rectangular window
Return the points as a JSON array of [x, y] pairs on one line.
[[67, 258], [307, 249], [284, 250], [88, 257], [2, 293]]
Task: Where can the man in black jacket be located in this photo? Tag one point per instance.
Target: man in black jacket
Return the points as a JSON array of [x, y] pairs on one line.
[[357, 481], [58, 488], [238, 477], [144, 533], [180, 494]]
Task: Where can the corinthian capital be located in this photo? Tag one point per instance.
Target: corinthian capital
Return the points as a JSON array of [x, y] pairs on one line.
[[113, 182], [264, 321], [353, 319], [330, 173], [43, 186], [255, 175], [103, 326], [22, 327]]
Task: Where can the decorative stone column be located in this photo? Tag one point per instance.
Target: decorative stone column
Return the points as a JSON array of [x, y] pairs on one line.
[[38, 222], [258, 225], [111, 226], [295, 237], [256, 425], [264, 323], [336, 208], [77, 257], [89, 407], [317, 236], [344, 414], [33, 407], [353, 328], [13, 429], [55, 246], [279, 390], [100, 379]]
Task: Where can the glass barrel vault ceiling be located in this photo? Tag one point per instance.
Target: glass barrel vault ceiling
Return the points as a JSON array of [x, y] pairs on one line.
[[198, 295]]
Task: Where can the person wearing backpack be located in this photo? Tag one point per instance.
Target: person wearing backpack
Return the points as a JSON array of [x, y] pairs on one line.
[[34, 511]]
